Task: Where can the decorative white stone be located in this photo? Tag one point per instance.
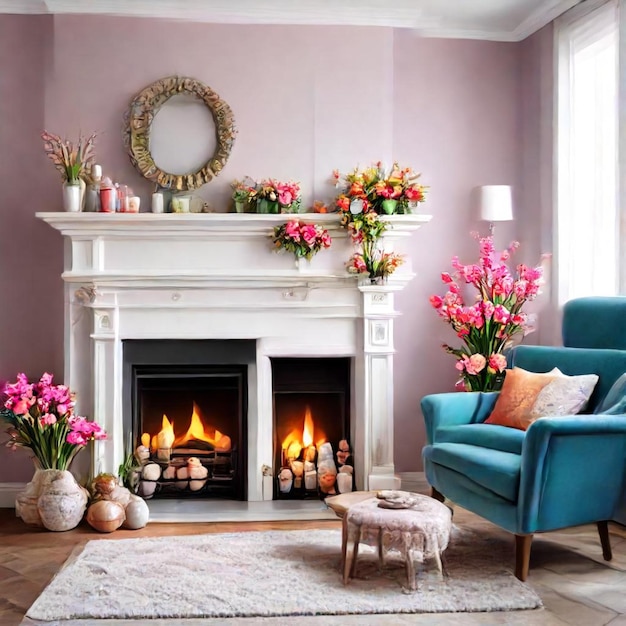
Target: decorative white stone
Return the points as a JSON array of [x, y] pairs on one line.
[[137, 513], [169, 473]]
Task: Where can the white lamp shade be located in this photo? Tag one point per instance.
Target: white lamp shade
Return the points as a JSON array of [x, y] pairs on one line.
[[495, 203]]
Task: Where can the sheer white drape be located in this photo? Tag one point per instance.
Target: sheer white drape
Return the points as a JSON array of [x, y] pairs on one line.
[[587, 216]]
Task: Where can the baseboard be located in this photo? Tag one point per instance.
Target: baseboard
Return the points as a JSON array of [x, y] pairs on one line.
[[8, 491], [414, 481]]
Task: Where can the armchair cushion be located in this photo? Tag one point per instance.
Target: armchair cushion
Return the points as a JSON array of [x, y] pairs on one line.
[[518, 395], [496, 471], [615, 401], [489, 436]]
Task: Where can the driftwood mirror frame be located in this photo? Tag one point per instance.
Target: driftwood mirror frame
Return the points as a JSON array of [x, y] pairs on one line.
[[138, 121]]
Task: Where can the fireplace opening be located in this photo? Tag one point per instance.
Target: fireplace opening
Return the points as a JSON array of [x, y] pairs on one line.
[[187, 420], [311, 399]]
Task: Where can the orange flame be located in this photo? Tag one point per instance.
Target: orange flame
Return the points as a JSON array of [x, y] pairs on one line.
[[296, 440], [196, 432]]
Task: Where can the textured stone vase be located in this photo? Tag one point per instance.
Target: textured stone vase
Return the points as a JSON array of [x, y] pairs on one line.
[[26, 501], [62, 501]]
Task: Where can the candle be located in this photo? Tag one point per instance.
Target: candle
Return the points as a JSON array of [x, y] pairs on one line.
[[157, 203]]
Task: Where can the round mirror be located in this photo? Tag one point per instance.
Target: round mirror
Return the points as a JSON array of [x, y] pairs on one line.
[[179, 133]]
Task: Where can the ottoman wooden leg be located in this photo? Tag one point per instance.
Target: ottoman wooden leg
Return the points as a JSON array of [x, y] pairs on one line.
[[410, 571], [351, 537]]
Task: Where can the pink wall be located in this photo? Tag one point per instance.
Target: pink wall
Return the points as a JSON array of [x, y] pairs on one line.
[[456, 120], [306, 100]]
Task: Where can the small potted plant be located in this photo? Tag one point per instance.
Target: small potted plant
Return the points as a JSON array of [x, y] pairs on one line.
[[74, 162], [244, 193], [277, 197]]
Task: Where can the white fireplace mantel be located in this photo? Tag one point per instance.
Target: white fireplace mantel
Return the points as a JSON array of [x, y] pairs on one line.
[[216, 276]]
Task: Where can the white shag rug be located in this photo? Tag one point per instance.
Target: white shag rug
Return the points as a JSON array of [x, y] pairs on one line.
[[272, 573]]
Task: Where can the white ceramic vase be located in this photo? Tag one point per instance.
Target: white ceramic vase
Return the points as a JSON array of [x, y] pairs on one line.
[[62, 502], [71, 198]]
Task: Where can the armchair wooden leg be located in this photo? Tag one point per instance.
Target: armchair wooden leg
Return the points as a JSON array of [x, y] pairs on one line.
[[605, 541], [522, 555], [435, 494]]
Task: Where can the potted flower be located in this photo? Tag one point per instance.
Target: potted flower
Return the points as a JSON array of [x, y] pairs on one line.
[[41, 417], [244, 193], [273, 196], [303, 240], [488, 326], [73, 161], [391, 191]]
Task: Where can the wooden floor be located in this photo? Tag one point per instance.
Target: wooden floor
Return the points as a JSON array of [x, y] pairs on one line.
[[577, 587]]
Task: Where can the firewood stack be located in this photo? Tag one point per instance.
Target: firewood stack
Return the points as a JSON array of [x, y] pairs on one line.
[[181, 469], [310, 471]]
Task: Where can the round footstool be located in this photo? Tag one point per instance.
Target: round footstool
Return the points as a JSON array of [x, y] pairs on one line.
[[420, 532]]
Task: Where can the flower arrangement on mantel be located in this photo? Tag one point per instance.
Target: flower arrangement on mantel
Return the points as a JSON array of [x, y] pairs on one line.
[[72, 160], [41, 417], [487, 327], [303, 240], [384, 191], [268, 196]]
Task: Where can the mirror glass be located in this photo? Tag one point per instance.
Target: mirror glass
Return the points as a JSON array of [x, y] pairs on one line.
[[182, 136]]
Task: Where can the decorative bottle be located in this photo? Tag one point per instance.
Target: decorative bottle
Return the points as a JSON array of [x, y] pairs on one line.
[[92, 194]]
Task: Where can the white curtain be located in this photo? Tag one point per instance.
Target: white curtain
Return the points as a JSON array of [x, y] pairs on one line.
[[587, 217]]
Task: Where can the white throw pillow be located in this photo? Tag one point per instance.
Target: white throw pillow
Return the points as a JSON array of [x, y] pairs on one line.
[[565, 395]]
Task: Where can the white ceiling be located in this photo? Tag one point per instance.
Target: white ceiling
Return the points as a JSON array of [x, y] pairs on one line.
[[499, 20]]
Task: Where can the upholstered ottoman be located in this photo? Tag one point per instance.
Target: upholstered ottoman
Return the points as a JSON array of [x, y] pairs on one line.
[[420, 532]]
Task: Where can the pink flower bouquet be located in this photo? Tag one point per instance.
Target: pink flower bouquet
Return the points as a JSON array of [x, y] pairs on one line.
[[273, 196], [488, 325], [302, 239], [41, 417]]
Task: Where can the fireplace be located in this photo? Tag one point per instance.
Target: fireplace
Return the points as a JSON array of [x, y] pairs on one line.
[[210, 285], [311, 398], [186, 406]]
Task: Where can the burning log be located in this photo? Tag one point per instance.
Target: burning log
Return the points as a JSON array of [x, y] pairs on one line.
[[197, 473], [169, 473], [297, 467], [310, 480], [151, 471], [285, 480]]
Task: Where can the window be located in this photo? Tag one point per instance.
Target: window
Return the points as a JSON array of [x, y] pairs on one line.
[[587, 199]]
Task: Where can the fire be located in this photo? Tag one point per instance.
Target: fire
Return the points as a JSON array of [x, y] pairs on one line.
[[166, 439], [296, 440], [195, 431], [307, 432]]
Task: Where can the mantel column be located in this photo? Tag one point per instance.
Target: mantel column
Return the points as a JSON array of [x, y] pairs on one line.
[[377, 372]]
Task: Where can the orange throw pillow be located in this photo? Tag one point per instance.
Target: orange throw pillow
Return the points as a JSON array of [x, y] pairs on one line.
[[517, 398]]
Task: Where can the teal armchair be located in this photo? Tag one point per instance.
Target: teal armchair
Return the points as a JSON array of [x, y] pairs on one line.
[[561, 472]]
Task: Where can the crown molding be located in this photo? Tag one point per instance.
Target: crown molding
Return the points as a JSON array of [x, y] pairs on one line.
[[396, 14], [547, 12]]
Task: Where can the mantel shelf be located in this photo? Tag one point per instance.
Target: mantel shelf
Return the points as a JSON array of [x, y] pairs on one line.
[[199, 224]]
